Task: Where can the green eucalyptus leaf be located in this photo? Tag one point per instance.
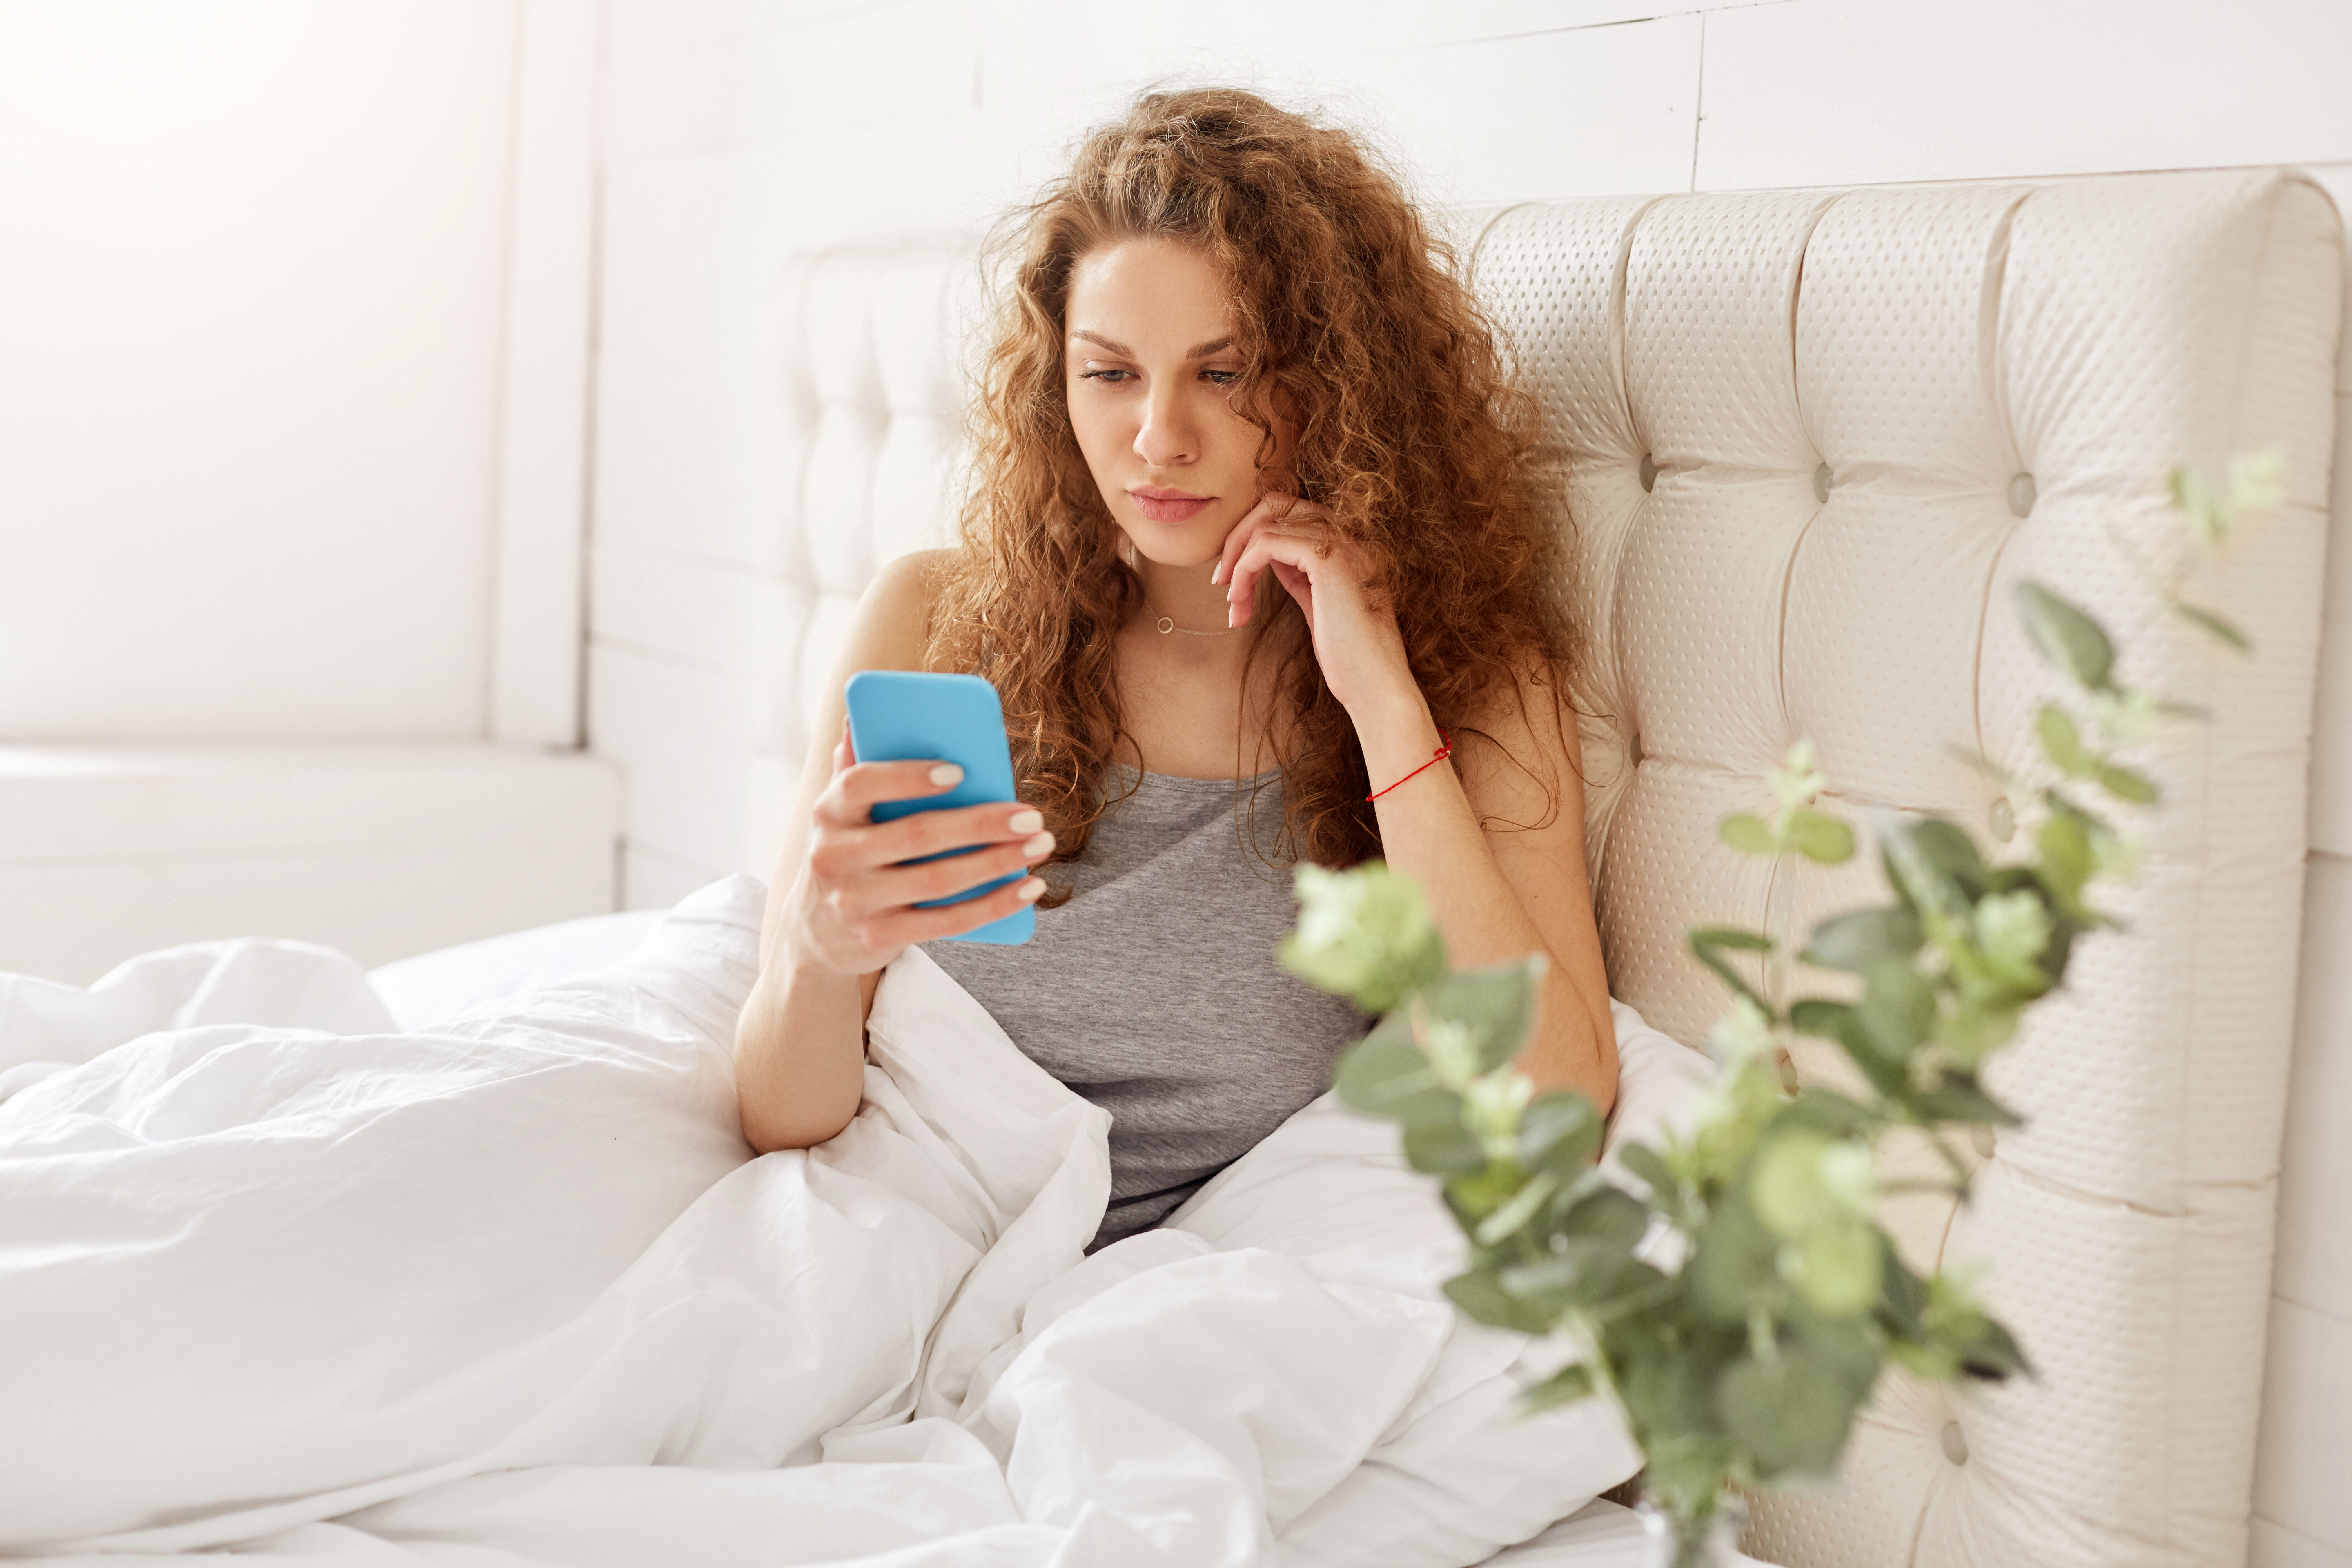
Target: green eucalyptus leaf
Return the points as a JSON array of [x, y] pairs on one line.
[[1949, 849], [1903, 1296], [1566, 1386], [1749, 835], [1836, 1269], [1579, 1272], [1707, 944], [2064, 841], [1849, 1344], [1789, 1413], [1898, 1007], [1993, 1355], [1820, 837], [2213, 624], [1482, 1296], [1820, 1018], [1514, 1213], [1647, 1165], [1960, 1098], [1559, 1130], [1495, 1005], [2067, 637], [1364, 933], [1386, 1074], [1855, 942], [1828, 1112], [1734, 1262], [1475, 1198], [1608, 1214], [1443, 1148], [1672, 1389], [1972, 1033], [2062, 741], [2125, 785]]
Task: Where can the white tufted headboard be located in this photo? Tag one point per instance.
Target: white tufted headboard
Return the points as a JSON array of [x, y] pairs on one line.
[[1811, 441]]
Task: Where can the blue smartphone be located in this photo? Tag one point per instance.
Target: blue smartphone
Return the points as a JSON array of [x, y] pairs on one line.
[[906, 716]]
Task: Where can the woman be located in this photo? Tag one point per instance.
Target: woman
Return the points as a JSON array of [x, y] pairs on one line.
[[1252, 538]]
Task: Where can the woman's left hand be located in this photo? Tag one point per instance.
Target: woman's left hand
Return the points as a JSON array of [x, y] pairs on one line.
[[1356, 639]]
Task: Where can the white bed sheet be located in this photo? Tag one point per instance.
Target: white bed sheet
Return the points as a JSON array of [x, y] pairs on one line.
[[1603, 1534]]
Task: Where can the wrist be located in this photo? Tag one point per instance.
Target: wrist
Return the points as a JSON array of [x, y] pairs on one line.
[[1396, 737]]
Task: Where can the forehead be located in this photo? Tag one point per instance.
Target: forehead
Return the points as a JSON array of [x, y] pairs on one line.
[[1151, 294]]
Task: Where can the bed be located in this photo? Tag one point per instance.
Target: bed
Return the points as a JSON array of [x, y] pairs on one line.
[[1808, 441], [1805, 441]]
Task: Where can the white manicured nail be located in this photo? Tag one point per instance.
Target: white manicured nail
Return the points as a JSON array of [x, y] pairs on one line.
[[1217, 574], [1039, 844], [1028, 891], [1025, 822], [947, 775]]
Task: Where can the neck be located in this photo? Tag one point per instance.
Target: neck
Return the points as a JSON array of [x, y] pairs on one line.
[[1185, 595]]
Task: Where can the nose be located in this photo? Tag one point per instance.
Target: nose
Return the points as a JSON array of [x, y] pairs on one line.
[[1167, 437]]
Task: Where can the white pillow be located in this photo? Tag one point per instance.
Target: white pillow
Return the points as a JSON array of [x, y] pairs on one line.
[[1459, 1474], [440, 984]]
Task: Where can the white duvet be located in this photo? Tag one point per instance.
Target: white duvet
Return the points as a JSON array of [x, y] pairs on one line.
[[279, 1278]]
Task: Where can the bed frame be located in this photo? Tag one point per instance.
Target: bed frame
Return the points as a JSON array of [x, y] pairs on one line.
[[1808, 442]]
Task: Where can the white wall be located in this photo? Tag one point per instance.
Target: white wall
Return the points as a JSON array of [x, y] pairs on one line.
[[250, 305], [739, 131], [294, 327]]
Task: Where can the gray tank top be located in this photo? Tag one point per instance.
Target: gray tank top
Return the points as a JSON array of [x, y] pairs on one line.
[[1154, 991]]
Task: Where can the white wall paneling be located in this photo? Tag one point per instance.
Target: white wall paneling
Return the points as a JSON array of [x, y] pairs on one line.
[[538, 593], [294, 327], [1813, 92], [249, 371], [380, 849], [2275, 1546]]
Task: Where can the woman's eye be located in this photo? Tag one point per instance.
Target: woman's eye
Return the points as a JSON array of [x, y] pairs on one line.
[[1112, 377], [1222, 377]]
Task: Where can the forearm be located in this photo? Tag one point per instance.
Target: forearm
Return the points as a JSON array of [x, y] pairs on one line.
[[1430, 830], [800, 1053]]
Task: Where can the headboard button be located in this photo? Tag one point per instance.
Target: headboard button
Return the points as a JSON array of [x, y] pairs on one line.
[[2021, 494], [1956, 1443], [1822, 481], [1649, 472], [2002, 819]]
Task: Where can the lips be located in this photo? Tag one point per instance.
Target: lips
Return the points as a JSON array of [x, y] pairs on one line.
[[1167, 506]]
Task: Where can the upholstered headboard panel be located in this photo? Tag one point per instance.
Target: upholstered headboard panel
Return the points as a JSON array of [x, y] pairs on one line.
[[1808, 441]]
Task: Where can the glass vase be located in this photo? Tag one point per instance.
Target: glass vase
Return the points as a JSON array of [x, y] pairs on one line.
[[1672, 1540]]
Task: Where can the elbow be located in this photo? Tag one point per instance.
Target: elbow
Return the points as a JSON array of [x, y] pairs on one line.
[[781, 1104], [770, 1127]]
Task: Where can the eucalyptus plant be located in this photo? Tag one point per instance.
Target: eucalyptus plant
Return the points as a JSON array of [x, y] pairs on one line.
[[1731, 1288]]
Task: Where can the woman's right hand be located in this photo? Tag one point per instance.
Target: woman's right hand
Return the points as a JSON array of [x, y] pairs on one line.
[[853, 902]]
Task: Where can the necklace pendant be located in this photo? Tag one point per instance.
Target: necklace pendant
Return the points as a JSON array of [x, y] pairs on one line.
[[1166, 624]]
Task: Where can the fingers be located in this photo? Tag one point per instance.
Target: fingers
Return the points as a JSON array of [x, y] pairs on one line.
[[859, 786], [954, 919], [896, 886], [1271, 548]]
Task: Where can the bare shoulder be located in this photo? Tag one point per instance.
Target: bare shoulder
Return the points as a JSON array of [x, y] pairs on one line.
[[894, 617]]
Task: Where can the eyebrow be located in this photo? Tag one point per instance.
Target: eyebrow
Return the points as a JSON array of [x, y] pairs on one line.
[[1201, 351]]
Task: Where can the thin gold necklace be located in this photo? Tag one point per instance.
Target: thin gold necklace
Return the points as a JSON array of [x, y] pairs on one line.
[[1165, 624]]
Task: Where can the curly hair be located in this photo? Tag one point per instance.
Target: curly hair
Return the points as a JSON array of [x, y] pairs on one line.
[[1351, 318]]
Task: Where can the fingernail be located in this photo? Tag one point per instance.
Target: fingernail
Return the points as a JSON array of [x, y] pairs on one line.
[[1217, 574], [1232, 615], [1038, 846], [1027, 893], [1025, 822], [947, 774]]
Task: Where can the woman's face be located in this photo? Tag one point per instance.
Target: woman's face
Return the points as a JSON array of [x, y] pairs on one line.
[[1146, 363]]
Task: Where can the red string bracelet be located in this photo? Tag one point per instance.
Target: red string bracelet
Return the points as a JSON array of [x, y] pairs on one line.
[[1442, 752]]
